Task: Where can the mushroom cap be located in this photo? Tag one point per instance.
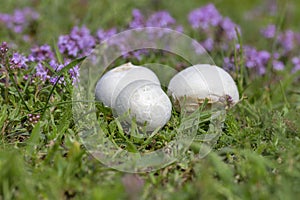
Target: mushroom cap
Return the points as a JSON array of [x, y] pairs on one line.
[[111, 83], [146, 102], [190, 87]]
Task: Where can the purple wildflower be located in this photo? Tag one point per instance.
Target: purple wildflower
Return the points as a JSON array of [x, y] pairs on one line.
[[5, 19], [56, 66], [262, 60], [229, 28], [3, 49], [256, 60], [41, 72], [296, 62], [160, 19], [278, 65], [44, 53], [216, 28], [205, 17], [263, 57], [138, 19], [251, 60], [18, 61], [45, 75], [59, 80], [269, 31], [78, 43], [287, 40], [41, 53], [228, 63], [74, 74], [20, 20], [103, 35], [208, 44], [25, 77]]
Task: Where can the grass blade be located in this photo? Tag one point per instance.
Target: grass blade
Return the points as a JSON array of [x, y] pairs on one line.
[[57, 53], [70, 66]]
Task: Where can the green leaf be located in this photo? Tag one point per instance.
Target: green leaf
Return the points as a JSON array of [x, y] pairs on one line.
[[3, 116], [49, 67], [12, 79], [34, 138], [57, 53], [131, 147], [70, 65]]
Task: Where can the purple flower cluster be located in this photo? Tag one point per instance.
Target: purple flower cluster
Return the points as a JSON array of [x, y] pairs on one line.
[[3, 49], [205, 17], [256, 60], [161, 19], [73, 73], [102, 35], [229, 28], [44, 73], [287, 40], [269, 31], [78, 43], [41, 53], [19, 20], [39, 57], [18, 61], [138, 20], [215, 27]]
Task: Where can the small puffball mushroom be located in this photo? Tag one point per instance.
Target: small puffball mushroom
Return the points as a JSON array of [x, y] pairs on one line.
[[146, 102], [189, 88], [115, 80]]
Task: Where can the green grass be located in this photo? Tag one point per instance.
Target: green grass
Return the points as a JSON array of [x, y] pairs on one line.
[[256, 157]]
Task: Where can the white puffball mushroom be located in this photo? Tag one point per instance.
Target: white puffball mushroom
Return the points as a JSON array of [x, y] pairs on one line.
[[146, 102], [190, 87], [111, 83]]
